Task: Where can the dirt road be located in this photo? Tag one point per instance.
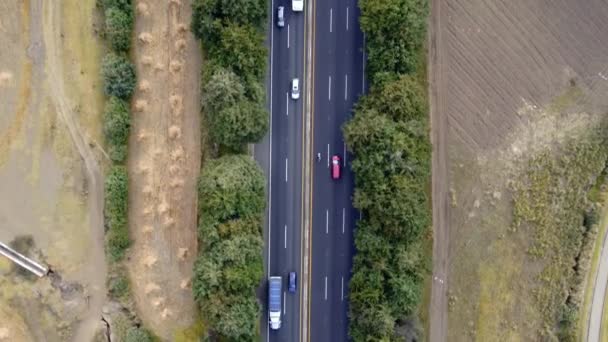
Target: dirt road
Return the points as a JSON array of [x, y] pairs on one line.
[[96, 270], [49, 167], [164, 164], [440, 192]]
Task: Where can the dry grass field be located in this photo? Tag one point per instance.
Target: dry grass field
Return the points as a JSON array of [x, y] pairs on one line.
[[164, 164], [513, 83]]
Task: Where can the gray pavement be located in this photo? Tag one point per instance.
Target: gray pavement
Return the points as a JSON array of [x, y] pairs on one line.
[[338, 82], [338, 54]]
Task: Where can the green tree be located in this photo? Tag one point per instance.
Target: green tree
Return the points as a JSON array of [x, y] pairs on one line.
[[117, 122], [241, 49], [210, 16], [231, 187], [234, 120], [119, 28], [118, 76], [116, 205], [123, 5], [395, 31], [135, 334]]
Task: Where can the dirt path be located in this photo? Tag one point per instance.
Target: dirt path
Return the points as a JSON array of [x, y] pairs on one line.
[[164, 163], [441, 209], [97, 267]]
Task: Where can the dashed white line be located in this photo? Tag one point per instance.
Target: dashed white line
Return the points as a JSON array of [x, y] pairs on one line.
[[327, 155], [342, 290], [331, 12], [329, 89], [347, 18], [343, 218], [288, 36], [285, 170], [344, 156], [285, 236], [287, 103], [345, 87], [326, 288], [326, 221], [284, 302]]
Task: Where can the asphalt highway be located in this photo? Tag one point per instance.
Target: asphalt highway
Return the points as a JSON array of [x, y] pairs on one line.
[[338, 80], [280, 155]]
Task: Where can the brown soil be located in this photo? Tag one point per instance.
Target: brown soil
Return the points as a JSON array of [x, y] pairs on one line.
[[164, 163], [507, 78], [49, 172]]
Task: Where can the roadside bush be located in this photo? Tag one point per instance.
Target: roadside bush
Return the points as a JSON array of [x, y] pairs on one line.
[[229, 267], [395, 31], [116, 186], [388, 136], [117, 121], [209, 16], [119, 28], [231, 187], [118, 75], [241, 49], [234, 120]]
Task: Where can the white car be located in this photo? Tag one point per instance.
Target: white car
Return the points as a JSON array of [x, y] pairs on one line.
[[295, 89], [297, 5]]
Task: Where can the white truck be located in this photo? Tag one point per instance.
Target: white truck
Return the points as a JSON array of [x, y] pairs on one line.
[[274, 302]]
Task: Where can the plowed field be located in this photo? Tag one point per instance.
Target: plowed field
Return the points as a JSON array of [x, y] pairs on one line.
[[508, 78]]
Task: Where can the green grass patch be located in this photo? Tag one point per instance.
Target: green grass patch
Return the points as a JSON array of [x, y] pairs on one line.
[[550, 201]]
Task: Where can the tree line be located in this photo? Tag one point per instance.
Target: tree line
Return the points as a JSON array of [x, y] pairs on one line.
[[119, 78], [229, 267], [389, 138]]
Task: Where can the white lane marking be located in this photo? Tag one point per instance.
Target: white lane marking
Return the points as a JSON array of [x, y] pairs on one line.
[[345, 87], [270, 155], [329, 89], [342, 290], [331, 22], [288, 36], [326, 288], [327, 155], [347, 18], [285, 236], [287, 103], [344, 158], [285, 170], [326, 221], [343, 218], [284, 302]]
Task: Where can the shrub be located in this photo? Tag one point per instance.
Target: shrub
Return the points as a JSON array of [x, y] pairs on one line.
[[119, 287], [118, 75], [229, 268], [123, 5], [116, 185], [395, 31], [119, 28], [388, 136], [241, 49], [231, 187], [209, 16], [117, 122], [234, 120], [135, 334]]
